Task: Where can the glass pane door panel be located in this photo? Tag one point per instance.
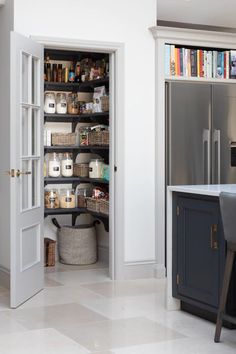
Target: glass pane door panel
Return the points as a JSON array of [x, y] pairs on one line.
[[35, 182], [24, 131], [25, 78], [35, 81], [25, 186], [35, 133]]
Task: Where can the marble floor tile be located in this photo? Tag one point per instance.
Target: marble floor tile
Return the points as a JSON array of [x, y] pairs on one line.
[[127, 287], [61, 295], [48, 283], [127, 306], [60, 267], [181, 346], [106, 335], [9, 325], [47, 341], [53, 316], [76, 278]]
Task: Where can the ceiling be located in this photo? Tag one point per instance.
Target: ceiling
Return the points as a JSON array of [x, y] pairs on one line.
[[203, 12]]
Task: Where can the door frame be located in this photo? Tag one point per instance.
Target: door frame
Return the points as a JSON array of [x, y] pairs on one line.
[[116, 222]]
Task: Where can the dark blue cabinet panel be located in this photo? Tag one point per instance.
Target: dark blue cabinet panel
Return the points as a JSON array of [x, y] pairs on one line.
[[199, 249]]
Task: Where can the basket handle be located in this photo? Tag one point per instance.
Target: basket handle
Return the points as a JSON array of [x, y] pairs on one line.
[[56, 223]]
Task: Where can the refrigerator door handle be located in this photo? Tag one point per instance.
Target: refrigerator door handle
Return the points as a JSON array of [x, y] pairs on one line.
[[206, 156], [216, 141]]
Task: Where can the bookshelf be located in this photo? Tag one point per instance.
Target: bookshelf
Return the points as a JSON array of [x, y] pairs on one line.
[[181, 38]]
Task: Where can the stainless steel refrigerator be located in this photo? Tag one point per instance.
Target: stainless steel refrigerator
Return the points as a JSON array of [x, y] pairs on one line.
[[200, 133]]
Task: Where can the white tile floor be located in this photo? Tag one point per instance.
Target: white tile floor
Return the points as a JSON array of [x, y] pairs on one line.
[[82, 311]]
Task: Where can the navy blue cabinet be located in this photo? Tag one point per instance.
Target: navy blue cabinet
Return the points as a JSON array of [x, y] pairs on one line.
[[198, 251]]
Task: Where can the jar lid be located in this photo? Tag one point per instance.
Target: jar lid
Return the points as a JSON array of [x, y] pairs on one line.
[[67, 190]]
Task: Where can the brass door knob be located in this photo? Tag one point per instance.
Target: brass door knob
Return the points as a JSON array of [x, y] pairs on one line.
[[22, 173]]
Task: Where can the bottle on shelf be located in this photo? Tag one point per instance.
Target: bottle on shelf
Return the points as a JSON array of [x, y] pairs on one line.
[[54, 72], [45, 71], [77, 72], [49, 72], [71, 73], [59, 73], [54, 165], [61, 106]]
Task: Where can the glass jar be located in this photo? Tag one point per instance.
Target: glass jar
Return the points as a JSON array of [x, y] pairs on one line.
[[67, 165], [49, 103], [61, 103], [82, 194], [51, 198], [95, 168], [73, 103], [54, 166], [67, 198]]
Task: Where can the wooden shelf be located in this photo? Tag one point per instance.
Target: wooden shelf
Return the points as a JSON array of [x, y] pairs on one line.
[[200, 79], [75, 86], [75, 148], [71, 118], [69, 180]]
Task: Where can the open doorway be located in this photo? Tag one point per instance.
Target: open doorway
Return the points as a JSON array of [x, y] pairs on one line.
[[78, 164]]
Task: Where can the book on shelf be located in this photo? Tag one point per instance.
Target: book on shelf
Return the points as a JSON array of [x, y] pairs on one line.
[[198, 62]]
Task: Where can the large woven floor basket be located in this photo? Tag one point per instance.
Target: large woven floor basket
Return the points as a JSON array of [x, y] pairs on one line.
[[77, 244]]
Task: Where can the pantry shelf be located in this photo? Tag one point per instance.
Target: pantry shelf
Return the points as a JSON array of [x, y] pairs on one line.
[[75, 86], [71, 118], [75, 148], [60, 180]]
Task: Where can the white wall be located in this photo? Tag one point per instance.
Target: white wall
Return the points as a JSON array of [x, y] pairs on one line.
[[127, 22]]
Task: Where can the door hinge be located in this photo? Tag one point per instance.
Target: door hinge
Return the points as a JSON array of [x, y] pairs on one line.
[[177, 210], [115, 168], [177, 279]]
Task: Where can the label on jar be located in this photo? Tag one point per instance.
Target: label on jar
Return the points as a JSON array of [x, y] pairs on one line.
[[90, 169], [68, 200], [63, 105], [68, 167], [56, 168], [51, 199], [71, 76], [51, 105]]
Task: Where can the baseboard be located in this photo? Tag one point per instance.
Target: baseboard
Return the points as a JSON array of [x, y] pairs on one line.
[[4, 277], [103, 254], [140, 270], [160, 271]]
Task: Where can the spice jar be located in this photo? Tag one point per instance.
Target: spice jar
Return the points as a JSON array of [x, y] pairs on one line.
[[67, 165], [73, 103], [61, 103], [54, 166], [84, 135], [51, 199], [95, 168], [67, 198], [49, 103], [81, 195]]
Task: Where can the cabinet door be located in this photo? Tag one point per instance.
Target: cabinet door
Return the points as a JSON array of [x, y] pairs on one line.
[[198, 255]]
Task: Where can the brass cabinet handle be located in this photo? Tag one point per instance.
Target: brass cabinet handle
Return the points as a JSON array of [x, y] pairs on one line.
[[22, 173], [214, 243]]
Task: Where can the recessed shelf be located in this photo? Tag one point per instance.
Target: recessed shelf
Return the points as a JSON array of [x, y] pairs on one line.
[[61, 211], [199, 79]]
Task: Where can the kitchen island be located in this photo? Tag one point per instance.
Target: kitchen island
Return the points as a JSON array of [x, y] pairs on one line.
[[196, 250]]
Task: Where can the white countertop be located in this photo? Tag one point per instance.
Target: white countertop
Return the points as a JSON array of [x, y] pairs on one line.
[[204, 189]]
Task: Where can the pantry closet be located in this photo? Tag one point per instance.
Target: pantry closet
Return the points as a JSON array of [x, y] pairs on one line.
[[76, 156]]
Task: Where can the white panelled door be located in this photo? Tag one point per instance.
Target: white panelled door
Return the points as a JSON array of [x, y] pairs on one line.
[[26, 169]]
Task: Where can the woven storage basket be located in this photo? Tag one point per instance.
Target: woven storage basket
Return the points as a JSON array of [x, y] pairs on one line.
[[66, 139], [81, 169], [77, 244], [104, 206], [49, 252], [99, 138], [93, 204], [105, 103]]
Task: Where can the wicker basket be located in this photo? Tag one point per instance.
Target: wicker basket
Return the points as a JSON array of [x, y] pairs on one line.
[[93, 204], [77, 244], [99, 138], [105, 103], [104, 206], [66, 139], [81, 169], [49, 252]]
